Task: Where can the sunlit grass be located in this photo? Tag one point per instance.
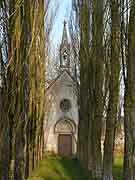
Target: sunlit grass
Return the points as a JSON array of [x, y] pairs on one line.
[[117, 171]]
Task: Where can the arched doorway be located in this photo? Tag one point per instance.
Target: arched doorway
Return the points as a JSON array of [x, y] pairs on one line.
[[65, 130], [65, 144]]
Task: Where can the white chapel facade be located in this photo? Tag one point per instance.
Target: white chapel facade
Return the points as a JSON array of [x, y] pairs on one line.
[[61, 110]]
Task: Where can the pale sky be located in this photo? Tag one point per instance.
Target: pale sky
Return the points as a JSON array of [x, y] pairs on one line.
[[62, 14]]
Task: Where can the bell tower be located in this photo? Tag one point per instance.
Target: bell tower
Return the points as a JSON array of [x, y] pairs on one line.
[[64, 50]]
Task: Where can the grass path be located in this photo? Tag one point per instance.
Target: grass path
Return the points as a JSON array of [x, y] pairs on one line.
[[60, 168]]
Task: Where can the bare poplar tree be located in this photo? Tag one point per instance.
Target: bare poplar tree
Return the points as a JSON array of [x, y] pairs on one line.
[[112, 111], [84, 63], [96, 87], [129, 105]]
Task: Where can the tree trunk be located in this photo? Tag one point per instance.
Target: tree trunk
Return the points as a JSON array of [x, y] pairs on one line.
[[5, 151], [84, 59], [114, 84], [129, 106], [19, 154], [96, 87]]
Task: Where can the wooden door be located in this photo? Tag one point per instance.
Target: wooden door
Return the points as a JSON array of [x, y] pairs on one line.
[[65, 144]]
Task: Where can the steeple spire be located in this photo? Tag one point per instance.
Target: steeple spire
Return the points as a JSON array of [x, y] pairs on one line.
[[64, 36], [64, 50]]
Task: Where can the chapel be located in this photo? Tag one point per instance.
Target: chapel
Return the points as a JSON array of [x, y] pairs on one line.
[[61, 109]]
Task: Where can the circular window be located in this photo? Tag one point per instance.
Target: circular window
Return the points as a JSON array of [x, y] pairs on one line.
[[65, 105]]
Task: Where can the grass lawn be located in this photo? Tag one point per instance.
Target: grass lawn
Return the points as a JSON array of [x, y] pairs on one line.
[[60, 168], [117, 170]]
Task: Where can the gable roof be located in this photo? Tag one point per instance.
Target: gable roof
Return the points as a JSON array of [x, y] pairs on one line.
[[59, 76]]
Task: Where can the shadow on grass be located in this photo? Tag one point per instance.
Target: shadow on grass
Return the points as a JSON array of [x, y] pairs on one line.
[[73, 169]]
